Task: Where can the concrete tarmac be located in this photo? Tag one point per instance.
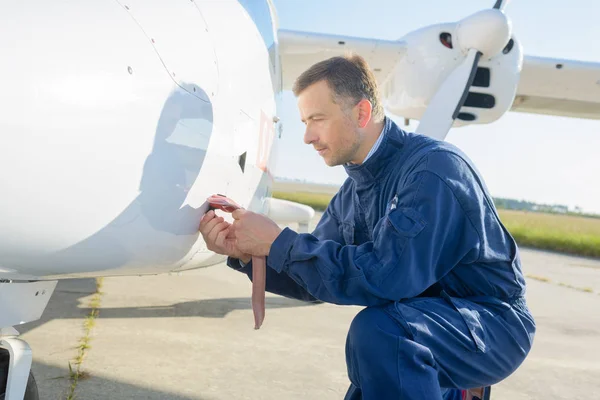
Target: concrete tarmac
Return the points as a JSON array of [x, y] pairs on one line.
[[191, 336]]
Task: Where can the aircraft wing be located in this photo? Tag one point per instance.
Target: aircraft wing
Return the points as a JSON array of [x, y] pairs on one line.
[[547, 85], [300, 50], [559, 87]]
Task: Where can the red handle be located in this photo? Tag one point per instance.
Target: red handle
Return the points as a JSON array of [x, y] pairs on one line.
[[222, 203], [259, 268]]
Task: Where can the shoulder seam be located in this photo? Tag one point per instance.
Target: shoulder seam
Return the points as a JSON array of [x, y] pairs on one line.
[[461, 206], [474, 173]]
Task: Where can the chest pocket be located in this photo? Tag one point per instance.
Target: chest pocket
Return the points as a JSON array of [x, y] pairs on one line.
[[406, 221]]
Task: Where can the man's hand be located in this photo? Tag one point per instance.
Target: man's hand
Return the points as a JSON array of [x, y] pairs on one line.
[[219, 237], [254, 232]]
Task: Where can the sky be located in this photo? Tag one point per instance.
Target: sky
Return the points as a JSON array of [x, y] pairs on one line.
[[544, 159]]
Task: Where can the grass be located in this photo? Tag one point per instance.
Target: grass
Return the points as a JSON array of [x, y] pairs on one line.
[[562, 233], [581, 289], [586, 289], [539, 278], [318, 201], [76, 372]]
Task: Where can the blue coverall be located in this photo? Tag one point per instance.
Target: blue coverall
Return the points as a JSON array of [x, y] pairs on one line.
[[413, 235]]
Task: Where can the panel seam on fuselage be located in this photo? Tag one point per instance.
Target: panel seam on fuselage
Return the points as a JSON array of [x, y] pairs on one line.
[[158, 54]]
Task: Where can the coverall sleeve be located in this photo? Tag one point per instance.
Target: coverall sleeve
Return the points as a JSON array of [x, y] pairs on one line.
[[277, 283], [421, 237], [281, 283]]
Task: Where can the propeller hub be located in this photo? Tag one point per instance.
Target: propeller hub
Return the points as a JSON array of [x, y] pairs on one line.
[[487, 31]]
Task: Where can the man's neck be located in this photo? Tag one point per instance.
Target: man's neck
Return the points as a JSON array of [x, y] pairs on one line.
[[372, 133]]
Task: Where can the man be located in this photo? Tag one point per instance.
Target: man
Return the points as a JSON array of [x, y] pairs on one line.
[[412, 234]]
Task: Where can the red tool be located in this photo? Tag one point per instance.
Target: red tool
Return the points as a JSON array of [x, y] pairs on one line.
[[259, 264]]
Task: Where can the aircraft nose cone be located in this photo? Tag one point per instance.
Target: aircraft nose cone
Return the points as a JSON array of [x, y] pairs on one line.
[[487, 31]]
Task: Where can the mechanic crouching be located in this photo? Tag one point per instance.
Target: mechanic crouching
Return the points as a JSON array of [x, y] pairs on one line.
[[412, 234]]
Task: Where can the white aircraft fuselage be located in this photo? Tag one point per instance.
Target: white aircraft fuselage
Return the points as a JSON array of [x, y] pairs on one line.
[[119, 120]]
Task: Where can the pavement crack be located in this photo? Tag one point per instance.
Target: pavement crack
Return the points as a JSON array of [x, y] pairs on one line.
[[76, 372]]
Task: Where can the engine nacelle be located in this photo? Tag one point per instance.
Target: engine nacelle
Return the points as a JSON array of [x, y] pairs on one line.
[[431, 56]]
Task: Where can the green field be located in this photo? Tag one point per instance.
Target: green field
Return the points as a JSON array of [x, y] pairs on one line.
[[317, 201], [562, 233]]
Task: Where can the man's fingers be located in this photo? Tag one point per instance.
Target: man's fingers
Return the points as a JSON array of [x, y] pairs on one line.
[[212, 236], [206, 218], [211, 224], [231, 232], [237, 214], [221, 237]]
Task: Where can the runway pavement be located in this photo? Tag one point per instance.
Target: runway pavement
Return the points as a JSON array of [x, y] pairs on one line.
[[191, 336]]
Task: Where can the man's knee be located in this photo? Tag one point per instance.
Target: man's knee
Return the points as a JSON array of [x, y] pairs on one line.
[[378, 348], [373, 326]]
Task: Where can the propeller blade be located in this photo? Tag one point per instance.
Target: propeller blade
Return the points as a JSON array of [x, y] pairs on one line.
[[500, 4], [450, 97]]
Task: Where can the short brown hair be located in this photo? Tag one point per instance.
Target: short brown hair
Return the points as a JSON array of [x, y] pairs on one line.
[[349, 77]]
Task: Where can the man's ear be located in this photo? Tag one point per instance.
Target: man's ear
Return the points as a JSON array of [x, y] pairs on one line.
[[365, 110]]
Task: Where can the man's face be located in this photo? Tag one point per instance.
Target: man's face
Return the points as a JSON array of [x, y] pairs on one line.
[[329, 127]]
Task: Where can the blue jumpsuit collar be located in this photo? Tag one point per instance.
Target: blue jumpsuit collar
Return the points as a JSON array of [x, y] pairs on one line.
[[376, 165]]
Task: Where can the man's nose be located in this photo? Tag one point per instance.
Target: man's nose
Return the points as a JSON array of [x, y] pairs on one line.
[[310, 136]]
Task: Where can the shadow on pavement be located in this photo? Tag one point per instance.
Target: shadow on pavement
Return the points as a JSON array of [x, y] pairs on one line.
[[70, 293], [53, 384], [67, 296], [207, 308]]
